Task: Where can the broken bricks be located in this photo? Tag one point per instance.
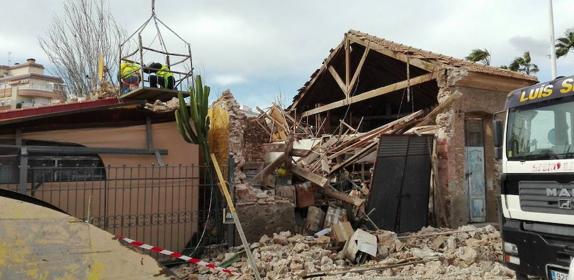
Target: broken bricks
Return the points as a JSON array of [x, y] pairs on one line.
[[297, 256]]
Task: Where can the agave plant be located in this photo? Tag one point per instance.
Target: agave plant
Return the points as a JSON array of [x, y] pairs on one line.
[[192, 119]]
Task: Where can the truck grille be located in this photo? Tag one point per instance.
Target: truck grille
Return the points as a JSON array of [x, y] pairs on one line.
[[546, 197]]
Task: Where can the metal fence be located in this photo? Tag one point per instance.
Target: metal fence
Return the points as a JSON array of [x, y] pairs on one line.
[[174, 207]]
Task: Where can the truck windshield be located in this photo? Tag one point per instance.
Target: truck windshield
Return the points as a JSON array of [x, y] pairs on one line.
[[539, 133]]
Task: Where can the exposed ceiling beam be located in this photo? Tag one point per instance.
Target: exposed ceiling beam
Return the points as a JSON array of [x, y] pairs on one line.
[[396, 55], [319, 71], [358, 71], [338, 80], [371, 94], [347, 64]]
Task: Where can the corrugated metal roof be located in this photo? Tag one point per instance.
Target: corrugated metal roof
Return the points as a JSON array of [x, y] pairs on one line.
[[60, 109]]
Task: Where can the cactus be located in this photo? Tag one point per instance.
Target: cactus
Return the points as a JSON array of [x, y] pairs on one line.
[[192, 119]]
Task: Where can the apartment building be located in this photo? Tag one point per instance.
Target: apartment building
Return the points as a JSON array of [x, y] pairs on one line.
[[24, 85]]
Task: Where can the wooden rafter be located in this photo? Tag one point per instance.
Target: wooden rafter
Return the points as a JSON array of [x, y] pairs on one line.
[[357, 71], [347, 64], [370, 94], [396, 55], [322, 69], [338, 80]]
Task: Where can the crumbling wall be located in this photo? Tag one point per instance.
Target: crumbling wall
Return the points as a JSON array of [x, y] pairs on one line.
[[243, 139], [233, 139], [451, 197], [483, 104], [266, 218], [255, 138]]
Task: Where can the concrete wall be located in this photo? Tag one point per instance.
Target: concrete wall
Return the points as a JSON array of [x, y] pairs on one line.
[[173, 192], [165, 136]]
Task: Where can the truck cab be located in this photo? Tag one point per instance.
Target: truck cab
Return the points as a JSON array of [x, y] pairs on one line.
[[537, 182]]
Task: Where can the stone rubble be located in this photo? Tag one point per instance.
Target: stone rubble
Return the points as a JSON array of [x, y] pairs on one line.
[[468, 253]]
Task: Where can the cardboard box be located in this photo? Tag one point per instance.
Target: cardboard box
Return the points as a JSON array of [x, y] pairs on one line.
[[360, 245], [305, 195], [341, 232]]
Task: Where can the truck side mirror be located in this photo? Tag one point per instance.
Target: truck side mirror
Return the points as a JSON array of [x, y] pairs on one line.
[[498, 137]]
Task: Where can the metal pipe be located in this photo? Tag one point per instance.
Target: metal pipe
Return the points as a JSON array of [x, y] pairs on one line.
[[190, 62], [137, 30], [165, 53], [141, 60], [552, 41]]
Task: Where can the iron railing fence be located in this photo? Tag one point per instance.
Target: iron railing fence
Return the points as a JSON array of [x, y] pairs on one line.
[[173, 207]]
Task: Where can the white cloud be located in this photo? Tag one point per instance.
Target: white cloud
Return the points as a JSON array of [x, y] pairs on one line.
[[536, 47], [228, 79], [270, 40]]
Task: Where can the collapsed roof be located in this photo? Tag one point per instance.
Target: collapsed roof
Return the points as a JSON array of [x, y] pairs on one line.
[[381, 63]]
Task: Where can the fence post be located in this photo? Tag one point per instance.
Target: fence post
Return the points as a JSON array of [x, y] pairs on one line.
[[23, 180]]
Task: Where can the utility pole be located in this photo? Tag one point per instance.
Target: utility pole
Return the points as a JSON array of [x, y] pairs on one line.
[[552, 42]]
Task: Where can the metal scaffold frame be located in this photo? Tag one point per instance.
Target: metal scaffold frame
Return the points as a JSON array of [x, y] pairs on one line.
[[184, 58]]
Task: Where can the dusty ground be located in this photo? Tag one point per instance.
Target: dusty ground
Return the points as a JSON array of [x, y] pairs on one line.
[[465, 253]]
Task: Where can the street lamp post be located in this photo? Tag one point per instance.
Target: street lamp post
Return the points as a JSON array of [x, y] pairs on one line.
[[552, 42]]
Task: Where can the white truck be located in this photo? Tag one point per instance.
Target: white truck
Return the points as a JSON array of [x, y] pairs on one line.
[[537, 183]]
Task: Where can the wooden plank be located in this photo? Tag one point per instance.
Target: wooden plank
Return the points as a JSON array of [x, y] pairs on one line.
[[321, 147], [358, 155], [396, 55], [310, 176], [321, 70], [152, 94], [300, 152], [370, 94], [353, 200], [223, 188], [347, 65], [365, 137], [338, 80], [430, 117], [358, 70], [260, 177]]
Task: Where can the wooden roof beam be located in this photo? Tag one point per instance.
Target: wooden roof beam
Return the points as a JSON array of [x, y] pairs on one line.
[[371, 94], [338, 80], [320, 70], [396, 55], [358, 71]]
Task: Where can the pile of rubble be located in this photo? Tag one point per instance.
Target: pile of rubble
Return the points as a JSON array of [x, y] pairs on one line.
[[465, 253], [321, 161]]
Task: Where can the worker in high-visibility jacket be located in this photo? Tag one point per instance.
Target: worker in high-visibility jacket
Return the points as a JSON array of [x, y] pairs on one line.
[[129, 76], [160, 75]]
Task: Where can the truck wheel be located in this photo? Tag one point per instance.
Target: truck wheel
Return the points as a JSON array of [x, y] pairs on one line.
[[520, 276]]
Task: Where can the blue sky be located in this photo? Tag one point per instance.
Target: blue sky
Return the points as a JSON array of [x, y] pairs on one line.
[[259, 49]]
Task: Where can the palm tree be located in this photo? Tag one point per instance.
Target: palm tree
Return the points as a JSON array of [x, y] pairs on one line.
[[565, 44], [524, 64], [478, 55]]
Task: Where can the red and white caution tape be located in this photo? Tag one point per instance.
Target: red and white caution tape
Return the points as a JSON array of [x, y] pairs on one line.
[[177, 255]]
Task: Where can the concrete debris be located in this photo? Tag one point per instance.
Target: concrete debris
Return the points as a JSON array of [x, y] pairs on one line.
[[106, 89], [475, 254], [160, 106]]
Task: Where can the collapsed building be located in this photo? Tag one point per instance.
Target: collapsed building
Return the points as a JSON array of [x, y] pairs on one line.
[[368, 89], [368, 81], [379, 131]]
